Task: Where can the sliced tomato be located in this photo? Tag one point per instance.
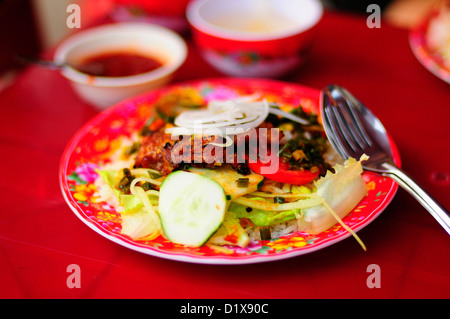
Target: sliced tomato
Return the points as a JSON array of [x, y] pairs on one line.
[[284, 174]]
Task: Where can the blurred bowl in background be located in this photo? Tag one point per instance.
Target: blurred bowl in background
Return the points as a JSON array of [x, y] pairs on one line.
[[119, 46], [170, 14], [254, 38]]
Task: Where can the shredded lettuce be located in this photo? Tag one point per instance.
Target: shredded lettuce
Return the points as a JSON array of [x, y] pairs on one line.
[[230, 232], [110, 178], [341, 190], [260, 217], [137, 223], [138, 213], [309, 200]]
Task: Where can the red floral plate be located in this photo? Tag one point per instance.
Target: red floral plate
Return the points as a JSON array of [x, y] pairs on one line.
[[95, 141], [431, 60]]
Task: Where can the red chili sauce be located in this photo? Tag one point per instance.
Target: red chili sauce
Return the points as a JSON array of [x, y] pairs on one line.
[[117, 64]]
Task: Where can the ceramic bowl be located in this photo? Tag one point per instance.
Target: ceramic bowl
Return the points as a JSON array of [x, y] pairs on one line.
[[254, 38], [142, 38]]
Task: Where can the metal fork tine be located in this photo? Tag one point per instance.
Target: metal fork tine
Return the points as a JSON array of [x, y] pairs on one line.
[[360, 132], [331, 136], [336, 140], [348, 118], [351, 120], [329, 122], [344, 127]]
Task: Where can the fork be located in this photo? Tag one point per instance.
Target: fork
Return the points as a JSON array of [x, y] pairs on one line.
[[353, 130]]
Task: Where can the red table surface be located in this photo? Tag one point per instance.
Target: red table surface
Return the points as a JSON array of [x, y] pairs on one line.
[[40, 236]]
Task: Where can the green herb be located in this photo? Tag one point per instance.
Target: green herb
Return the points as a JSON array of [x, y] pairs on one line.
[[242, 182], [132, 149], [144, 131], [125, 182], [300, 112], [289, 146], [147, 186], [265, 233], [165, 117], [153, 175], [279, 200]]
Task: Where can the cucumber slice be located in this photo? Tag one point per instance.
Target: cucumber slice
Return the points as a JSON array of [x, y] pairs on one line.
[[191, 207]]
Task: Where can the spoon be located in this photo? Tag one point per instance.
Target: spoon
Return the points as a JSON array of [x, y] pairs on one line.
[[353, 130], [93, 69], [41, 62]]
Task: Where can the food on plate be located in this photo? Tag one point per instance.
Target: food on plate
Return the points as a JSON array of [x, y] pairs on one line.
[[229, 173], [438, 35]]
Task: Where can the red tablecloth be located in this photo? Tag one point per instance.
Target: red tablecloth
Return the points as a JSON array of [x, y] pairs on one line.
[[40, 236]]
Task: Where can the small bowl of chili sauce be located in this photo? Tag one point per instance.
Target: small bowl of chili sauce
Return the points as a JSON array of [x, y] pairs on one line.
[[110, 63]]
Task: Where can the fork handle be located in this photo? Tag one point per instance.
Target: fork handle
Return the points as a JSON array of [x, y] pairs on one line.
[[427, 201]]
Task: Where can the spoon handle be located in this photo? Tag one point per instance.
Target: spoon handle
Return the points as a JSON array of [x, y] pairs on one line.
[[37, 61], [427, 201]]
